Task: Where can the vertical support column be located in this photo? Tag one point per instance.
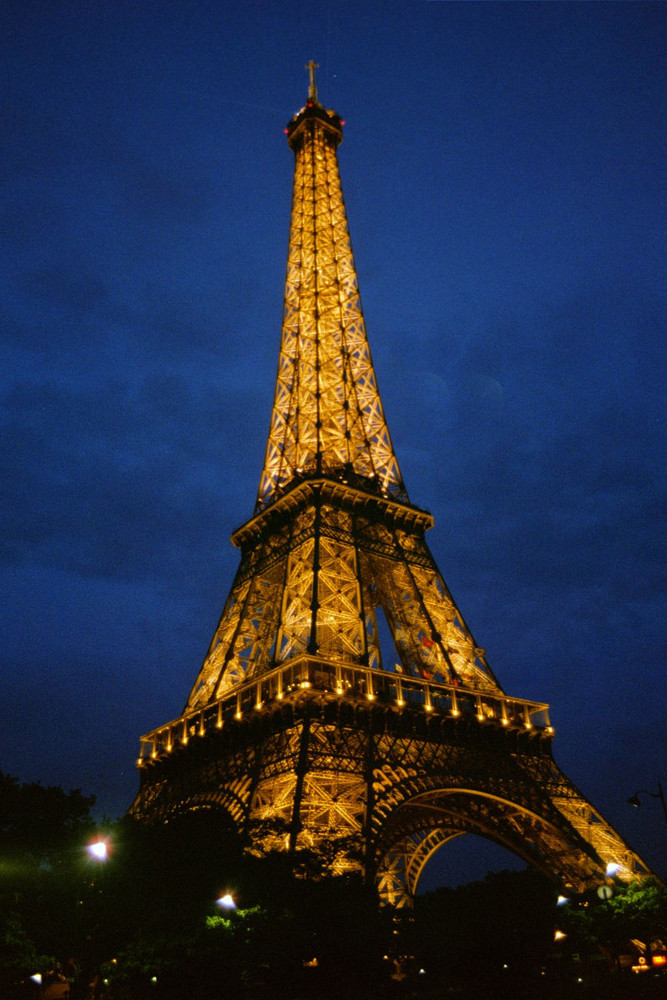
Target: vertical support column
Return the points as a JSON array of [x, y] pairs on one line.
[[369, 768], [312, 646], [301, 771]]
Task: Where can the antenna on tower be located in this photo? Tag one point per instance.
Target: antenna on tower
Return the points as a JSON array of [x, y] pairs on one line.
[[312, 89]]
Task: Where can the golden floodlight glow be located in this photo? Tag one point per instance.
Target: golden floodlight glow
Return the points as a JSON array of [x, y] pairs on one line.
[[335, 573]]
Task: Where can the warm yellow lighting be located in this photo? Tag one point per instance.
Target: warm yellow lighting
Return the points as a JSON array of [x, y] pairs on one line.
[[327, 577], [559, 935]]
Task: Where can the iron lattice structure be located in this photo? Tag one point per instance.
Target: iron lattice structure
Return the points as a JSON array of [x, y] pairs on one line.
[[296, 728]]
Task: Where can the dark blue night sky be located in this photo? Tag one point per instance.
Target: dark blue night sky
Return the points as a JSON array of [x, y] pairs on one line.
[[504, 173]]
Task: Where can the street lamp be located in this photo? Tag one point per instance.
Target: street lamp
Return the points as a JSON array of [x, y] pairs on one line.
[[226, 902], [635, 801], [98, 850]]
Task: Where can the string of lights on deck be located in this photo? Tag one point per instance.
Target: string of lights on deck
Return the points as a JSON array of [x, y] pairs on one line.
[[313, 677]]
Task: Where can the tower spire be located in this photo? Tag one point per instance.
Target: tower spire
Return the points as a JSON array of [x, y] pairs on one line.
[[327, 415], [312, 89]]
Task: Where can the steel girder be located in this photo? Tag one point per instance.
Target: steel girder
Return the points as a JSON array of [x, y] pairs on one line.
[[373, 789], [314, 583]]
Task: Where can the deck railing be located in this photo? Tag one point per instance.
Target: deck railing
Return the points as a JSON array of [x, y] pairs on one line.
[[288, 680]]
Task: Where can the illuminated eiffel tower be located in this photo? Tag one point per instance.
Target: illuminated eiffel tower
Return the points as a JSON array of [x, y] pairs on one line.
[[298, 729]]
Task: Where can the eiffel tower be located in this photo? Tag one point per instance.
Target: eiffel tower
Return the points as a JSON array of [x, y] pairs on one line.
[[300, 728]]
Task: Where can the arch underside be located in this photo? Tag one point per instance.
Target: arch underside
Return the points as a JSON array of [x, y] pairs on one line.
[[370, 792], [420, 827]]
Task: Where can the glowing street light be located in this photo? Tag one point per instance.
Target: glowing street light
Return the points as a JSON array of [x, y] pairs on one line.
[[226, 902], [98, 850]]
